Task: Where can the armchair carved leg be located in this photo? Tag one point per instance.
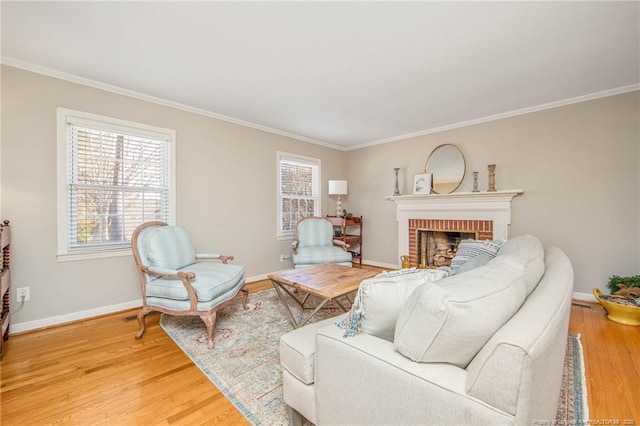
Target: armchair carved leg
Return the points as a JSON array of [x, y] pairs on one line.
[[210, 321], [245, 297], [141, 316]]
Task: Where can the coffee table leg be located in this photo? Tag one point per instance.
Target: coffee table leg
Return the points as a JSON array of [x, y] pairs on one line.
[[278, 287], [297, 324], [320, 305], [340, 304]]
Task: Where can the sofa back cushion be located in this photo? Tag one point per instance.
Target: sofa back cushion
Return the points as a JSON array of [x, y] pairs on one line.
[[452, 319], [528, 251], [170, 247]]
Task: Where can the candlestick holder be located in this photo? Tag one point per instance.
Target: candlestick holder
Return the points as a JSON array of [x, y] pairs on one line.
[[492, 178], [475, 182], [396, 190]]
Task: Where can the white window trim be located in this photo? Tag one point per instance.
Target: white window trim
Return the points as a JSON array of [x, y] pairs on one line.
[[279, 154], [64, 254]]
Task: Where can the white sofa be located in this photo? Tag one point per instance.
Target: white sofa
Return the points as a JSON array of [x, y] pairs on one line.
[[512, 378]]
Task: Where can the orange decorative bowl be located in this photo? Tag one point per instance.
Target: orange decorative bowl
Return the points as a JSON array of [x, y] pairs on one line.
[[623, 314]]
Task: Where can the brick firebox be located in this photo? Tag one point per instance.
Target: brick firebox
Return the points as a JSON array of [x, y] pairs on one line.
[[484, 229]]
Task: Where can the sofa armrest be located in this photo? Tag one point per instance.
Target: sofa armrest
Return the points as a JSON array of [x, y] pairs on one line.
[[363, 380]]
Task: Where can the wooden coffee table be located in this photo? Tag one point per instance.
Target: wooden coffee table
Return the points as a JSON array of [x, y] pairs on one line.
[[327, 281]]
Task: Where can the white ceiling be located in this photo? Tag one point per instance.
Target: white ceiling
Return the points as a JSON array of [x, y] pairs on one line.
[[340, 74]]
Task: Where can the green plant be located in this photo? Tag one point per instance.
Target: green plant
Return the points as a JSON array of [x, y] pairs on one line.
[[615, 280]]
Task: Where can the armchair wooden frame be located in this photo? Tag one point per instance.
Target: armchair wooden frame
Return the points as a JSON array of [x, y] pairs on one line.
[[208, 317]]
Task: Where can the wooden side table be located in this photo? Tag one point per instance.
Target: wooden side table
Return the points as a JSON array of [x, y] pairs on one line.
[[349, 230]]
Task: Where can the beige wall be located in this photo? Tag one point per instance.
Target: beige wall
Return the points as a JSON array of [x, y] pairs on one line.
[[577, 164], [226, 189]]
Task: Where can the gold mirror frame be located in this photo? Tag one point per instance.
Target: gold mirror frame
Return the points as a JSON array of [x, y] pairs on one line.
[[447, 167]]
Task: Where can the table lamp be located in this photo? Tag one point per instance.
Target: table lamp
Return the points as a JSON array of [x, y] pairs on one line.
[[338, 187]]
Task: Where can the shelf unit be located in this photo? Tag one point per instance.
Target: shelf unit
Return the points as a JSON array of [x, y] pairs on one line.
[[349, 230], [5, 281]]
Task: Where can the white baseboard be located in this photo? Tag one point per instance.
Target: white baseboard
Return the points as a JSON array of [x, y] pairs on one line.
[[380, 264], [587, 297], [73, 316], [103, 310], [20, 327]]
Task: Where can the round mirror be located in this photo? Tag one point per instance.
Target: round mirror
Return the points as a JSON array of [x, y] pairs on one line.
[[446, 165]]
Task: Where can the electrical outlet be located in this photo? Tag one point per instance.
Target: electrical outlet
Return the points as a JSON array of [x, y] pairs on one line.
[[23, 292]]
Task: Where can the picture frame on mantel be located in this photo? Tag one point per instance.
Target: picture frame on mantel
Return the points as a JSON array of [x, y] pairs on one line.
[[422, 183]]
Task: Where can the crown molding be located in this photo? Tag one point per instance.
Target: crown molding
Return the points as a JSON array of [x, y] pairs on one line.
[[152, 99], [528, 110], [164, 102]]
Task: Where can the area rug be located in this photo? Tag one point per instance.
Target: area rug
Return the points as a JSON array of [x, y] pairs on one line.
[[245, 366], [573, 407]]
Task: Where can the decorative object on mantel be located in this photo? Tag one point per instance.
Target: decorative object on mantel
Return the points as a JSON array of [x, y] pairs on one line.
[[422, 183], [446, 164], [492, 178], [475, 182], [406, 262], [338, 187], [396, 190]]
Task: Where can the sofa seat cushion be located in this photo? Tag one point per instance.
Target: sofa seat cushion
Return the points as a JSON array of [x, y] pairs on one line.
[[170, 247], [379, 299], [298, 349], [452, 319], [528, 251], [321, 254], [212, 280]]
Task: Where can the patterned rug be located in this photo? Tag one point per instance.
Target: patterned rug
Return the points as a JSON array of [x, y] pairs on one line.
[[245, 362]]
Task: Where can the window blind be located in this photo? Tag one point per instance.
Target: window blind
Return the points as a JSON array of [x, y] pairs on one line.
[[299, 191], [116, 180]]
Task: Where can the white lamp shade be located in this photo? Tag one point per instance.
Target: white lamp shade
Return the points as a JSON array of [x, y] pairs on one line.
[[337, 187]]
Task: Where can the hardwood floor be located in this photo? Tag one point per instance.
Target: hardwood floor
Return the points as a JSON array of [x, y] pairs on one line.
[[95, 372], [612, 365]]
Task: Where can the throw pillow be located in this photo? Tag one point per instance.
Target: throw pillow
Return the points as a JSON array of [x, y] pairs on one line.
[[451, 320], [474, 262], [469, 249], [379, 300]]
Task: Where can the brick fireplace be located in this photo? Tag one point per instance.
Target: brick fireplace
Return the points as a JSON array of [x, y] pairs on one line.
[[487, 214], [476, 229]]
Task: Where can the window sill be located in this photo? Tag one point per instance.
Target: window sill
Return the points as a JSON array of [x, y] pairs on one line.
[[72, 257]]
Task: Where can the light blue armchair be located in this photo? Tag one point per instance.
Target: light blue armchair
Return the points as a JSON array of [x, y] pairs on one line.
[[313, 244], [175, 283]]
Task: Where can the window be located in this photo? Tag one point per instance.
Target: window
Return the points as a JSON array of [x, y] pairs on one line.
[[298, 190], [112, 176]]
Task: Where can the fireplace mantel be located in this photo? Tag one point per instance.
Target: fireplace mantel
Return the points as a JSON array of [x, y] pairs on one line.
[[457, 197], [493, 206]]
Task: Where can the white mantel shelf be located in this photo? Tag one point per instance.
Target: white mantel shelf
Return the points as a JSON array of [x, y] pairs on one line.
[[493, 206], [457, 197]]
